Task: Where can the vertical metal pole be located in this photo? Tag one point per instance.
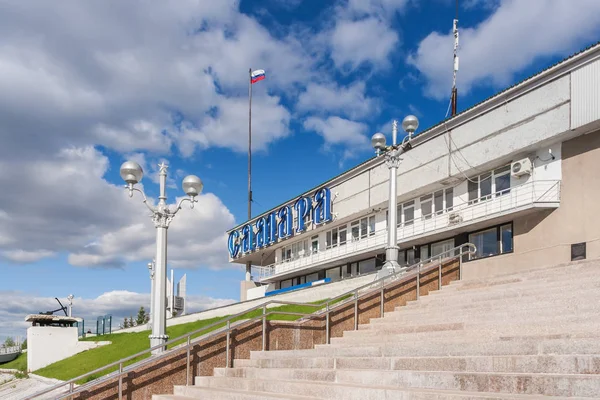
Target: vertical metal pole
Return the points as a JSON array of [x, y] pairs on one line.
[[391, 251], [227, 346], [187, 363], [356, 310], [249, 264], [159, 320], [381, 300], [418, 281], [264, 328], [440, 273], [327, 323], [460, 257], [71, 387], [120, 381]]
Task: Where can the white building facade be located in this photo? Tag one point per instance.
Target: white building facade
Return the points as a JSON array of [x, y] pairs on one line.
[[518, 175]]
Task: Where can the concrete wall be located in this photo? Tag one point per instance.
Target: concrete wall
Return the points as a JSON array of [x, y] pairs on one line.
[[545, 238], [49, 344]]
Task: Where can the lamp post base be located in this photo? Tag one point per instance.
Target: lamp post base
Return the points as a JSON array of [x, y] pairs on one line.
[[389, 268], [157, 340]]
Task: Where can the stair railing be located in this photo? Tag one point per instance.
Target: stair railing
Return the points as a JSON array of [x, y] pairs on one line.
[[353, 295]]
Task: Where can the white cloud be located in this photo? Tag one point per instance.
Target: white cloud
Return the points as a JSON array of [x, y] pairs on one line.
[[112, 73], [511, 39], [336, 130], [64, 204], [381, 8], [350, 101], [368, 40], [15, 306]]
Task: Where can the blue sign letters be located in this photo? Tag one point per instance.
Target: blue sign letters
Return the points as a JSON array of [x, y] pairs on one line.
[[279, 224]]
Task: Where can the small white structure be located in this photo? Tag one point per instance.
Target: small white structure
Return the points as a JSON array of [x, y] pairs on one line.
[[176, 299], [52, 338]]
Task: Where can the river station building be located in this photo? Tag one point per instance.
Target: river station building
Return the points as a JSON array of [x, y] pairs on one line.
[[518, 175]]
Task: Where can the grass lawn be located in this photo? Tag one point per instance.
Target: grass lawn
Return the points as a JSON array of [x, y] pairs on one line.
[[127, 344], [19, 363]]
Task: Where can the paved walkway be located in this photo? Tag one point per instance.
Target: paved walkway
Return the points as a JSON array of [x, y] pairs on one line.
[[17, 389]]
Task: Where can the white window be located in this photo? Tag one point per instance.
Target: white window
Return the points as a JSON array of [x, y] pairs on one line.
[[286, 284], [355, 230], [426, 206], [333, 273], [408, 212], [492, 241], [314, 244], [483, 186], [371, 225], [335, 237], [442, 247], [367, 266], [312, 277]]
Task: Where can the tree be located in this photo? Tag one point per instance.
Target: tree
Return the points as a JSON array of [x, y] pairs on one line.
[[125, 323], [24, 345], [9, 342], [142, 317]]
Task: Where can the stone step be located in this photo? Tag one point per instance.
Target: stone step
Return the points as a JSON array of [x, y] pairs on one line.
[[547, 364], [541, 291], [477, 332], [513, 383], [352, 391], [531, 312], [527, 346], [545, 317], [555, 272], [215, 393], [537, 294]]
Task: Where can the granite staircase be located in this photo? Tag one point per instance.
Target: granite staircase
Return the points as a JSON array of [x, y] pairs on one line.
[[532, 335]]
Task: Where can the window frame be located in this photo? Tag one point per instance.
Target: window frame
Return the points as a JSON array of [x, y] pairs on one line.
[[498, 231]]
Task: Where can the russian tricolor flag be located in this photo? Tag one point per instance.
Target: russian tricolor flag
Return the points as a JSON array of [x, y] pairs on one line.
[[257, 75]]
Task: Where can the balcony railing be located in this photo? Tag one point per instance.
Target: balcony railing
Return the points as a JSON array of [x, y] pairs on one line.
[[534, 193]]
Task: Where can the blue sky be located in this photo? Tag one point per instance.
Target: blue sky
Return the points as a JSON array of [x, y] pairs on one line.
[[87, 86]]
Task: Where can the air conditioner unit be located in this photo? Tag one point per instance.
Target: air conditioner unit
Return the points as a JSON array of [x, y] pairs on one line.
[[454, 218], [521, 167]]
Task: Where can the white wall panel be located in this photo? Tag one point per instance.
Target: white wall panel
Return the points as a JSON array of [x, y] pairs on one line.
[[585, 95]]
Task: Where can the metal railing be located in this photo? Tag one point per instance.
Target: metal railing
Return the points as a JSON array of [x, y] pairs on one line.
[[466, 212], [323, 308]]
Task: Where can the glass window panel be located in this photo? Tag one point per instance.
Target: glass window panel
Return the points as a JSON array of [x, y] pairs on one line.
[[363, 227], [398, 215], [410, 256], [342, 236], [354, 269], [424, 252], [485, 185], [355, 230], [371, 225], [315, 244], [302, 280], [473, 189], [438, 201], [328, 239], [312, 277], [409, 212], [502, 184], [333, 273], [334, 237], [367, 266], [486, 242], [346, 271], [426, 205], [286, 284], [449, 199], [401, 257], [506, 238], [441, 247]]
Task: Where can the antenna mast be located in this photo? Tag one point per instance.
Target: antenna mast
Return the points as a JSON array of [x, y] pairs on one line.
[[454, 98]]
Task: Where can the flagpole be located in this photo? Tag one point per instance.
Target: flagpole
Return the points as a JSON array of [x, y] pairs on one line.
[[249, 264]]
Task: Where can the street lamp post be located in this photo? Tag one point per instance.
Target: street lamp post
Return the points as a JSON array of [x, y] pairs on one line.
[[392, 159], [162, 215]]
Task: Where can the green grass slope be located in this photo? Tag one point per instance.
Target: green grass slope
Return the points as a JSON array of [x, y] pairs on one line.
[[128, 344]]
